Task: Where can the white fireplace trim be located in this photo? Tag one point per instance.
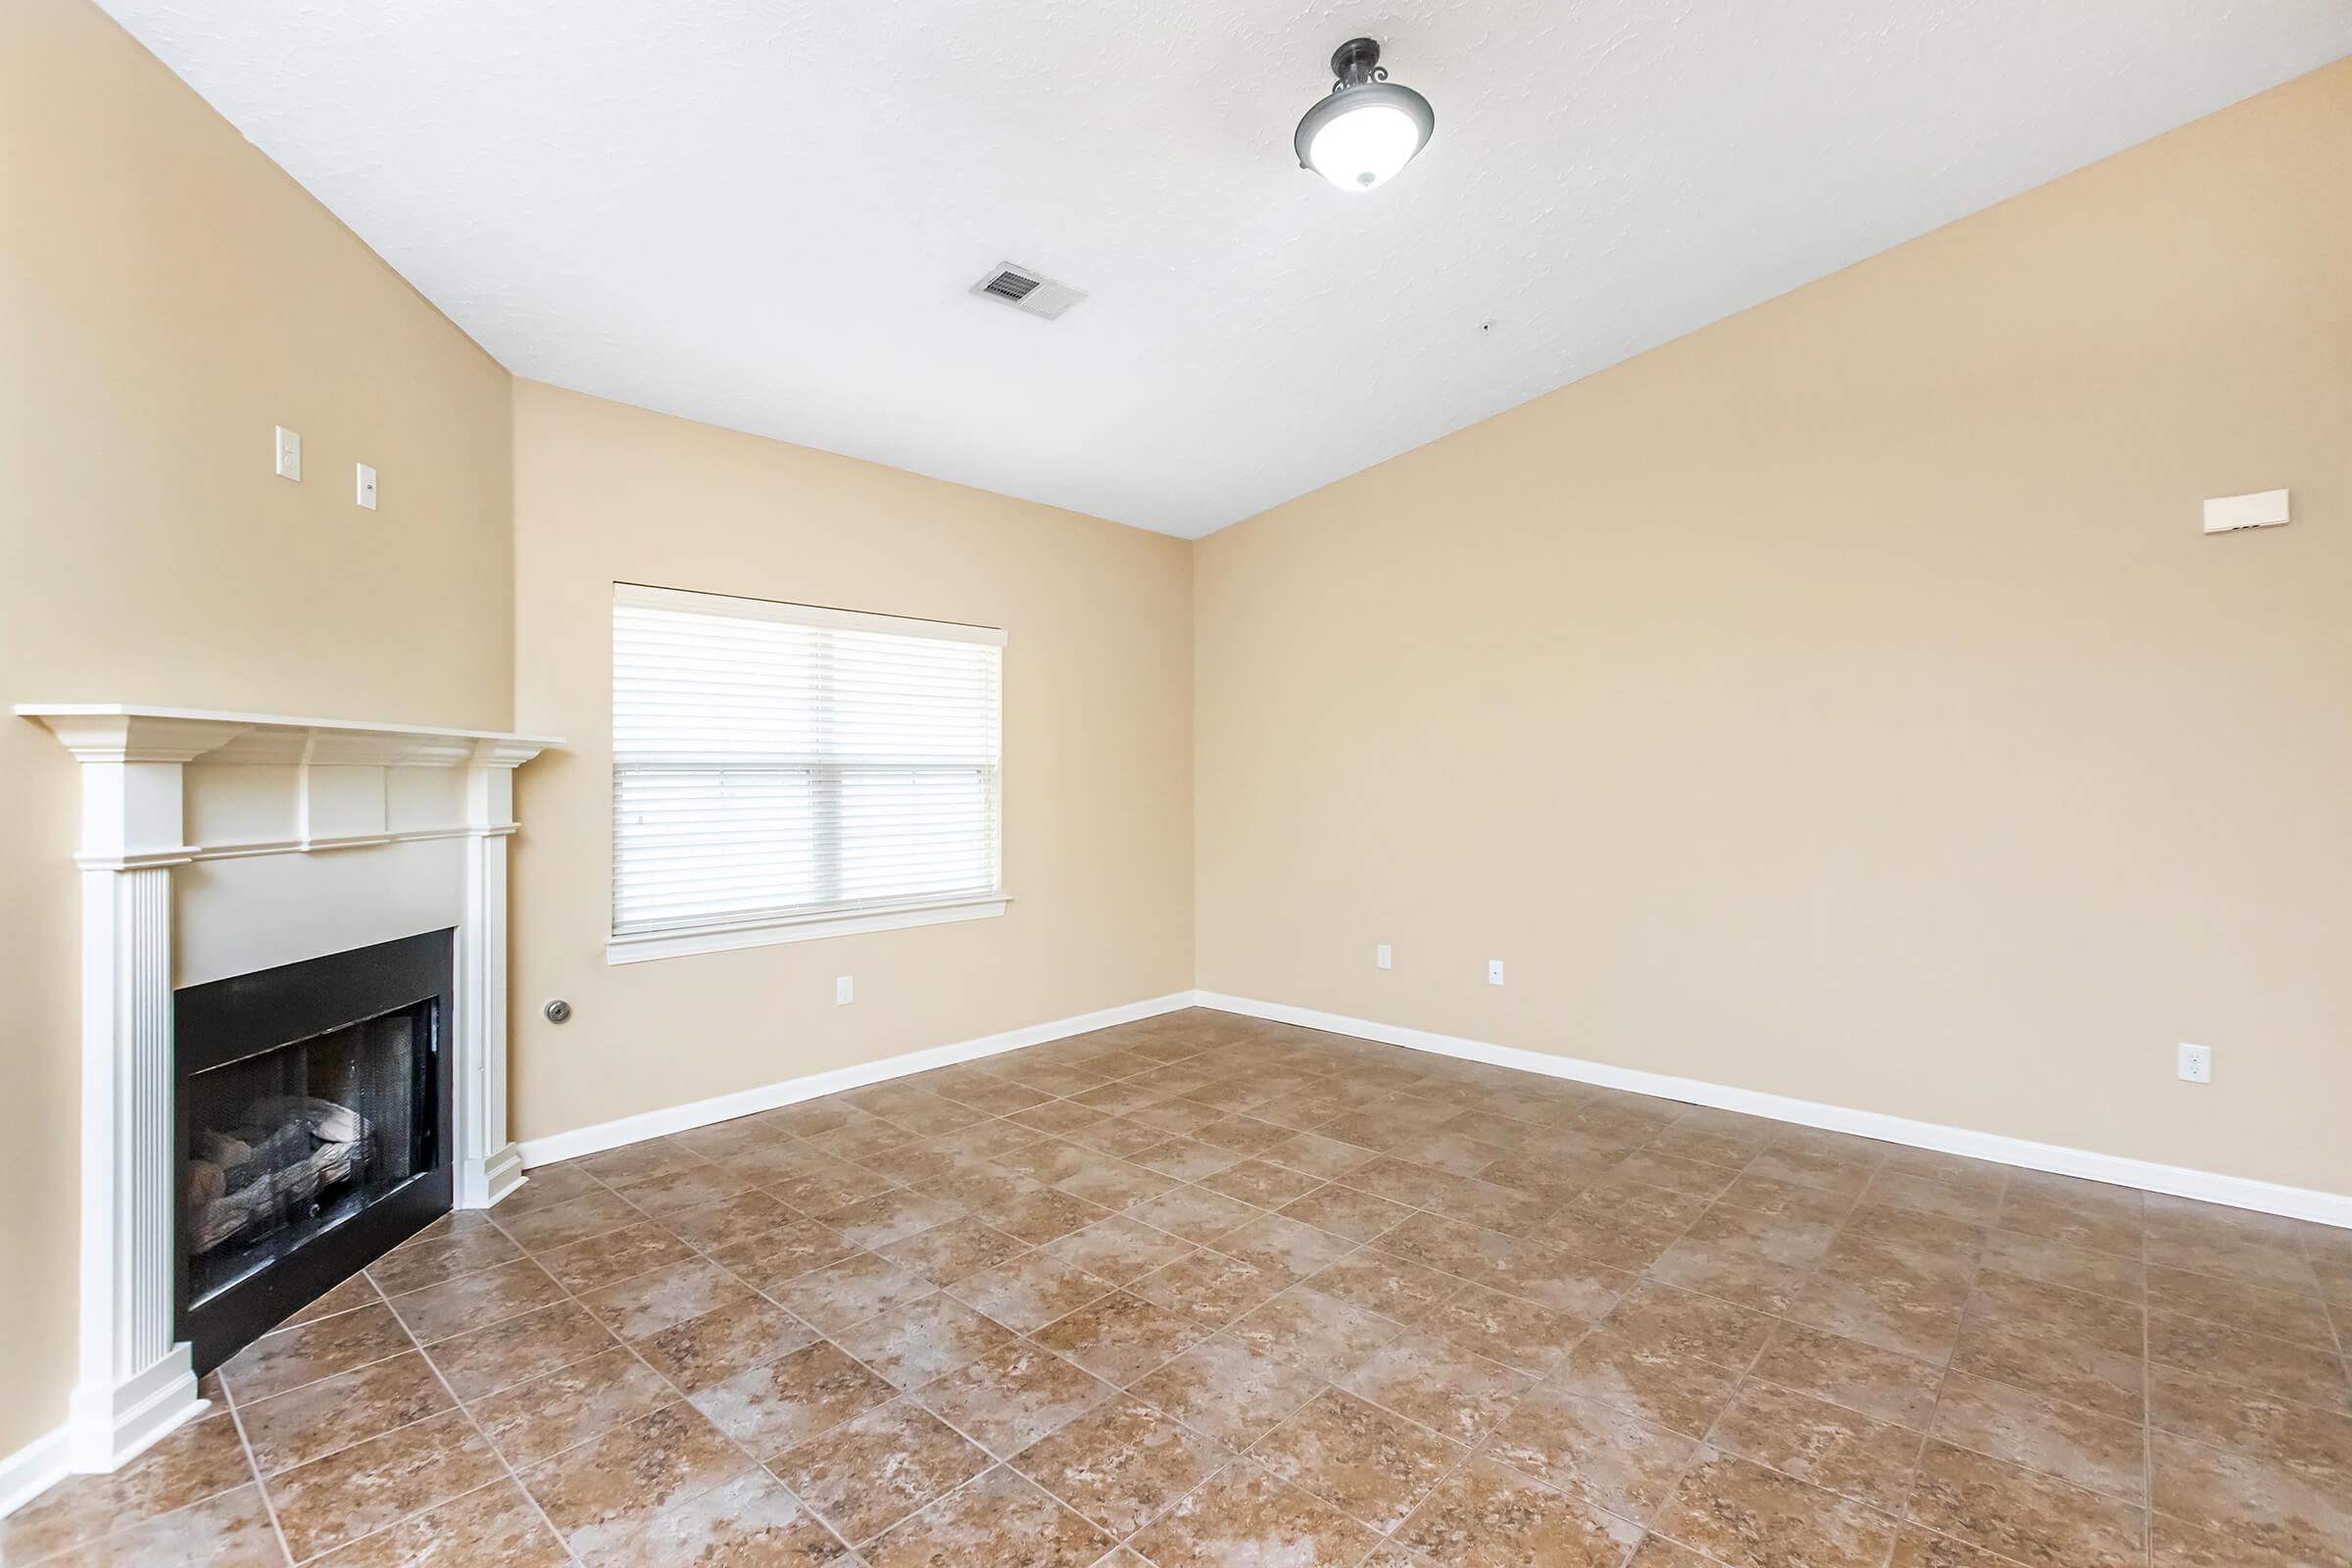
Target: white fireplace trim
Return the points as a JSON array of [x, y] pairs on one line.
[[301, 786]]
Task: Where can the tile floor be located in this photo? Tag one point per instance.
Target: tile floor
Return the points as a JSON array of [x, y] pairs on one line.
[[1207, 1293]]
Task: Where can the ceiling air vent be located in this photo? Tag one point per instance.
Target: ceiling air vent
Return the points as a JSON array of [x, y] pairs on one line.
[[1027, 290]]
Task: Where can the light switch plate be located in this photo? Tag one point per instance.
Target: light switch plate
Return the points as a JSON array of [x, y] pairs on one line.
[[366, 489], [1493, 971], [845, 991]]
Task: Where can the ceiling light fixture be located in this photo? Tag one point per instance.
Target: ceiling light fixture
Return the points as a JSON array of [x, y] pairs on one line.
[[1369, 127]]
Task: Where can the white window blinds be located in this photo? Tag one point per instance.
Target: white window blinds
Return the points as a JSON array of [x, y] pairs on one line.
[[774, 763]]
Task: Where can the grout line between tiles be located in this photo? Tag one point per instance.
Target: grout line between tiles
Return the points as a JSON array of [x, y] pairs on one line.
[[260, 1486]]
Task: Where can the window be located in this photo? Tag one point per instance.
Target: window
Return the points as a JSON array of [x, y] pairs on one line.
[[782, 771]]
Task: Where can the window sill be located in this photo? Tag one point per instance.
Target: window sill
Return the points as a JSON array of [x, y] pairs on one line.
[[644, 946]]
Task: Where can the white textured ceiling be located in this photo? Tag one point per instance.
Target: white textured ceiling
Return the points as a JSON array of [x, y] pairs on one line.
[[764, 214]]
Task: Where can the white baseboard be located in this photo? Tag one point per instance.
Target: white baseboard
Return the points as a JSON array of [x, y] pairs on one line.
[[769, 1097], [31, 1470], [2238, 1192]]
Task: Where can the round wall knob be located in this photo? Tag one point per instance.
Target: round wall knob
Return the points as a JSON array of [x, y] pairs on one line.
[[558, 1011]]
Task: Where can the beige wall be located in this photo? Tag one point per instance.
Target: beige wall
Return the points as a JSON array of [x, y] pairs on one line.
[[1098, 736], [167, 296], [1842, 701]]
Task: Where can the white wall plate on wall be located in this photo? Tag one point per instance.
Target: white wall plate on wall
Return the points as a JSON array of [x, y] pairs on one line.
[[2264, 509]]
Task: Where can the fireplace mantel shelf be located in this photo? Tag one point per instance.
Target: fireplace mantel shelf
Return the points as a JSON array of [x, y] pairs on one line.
[[129, 732]]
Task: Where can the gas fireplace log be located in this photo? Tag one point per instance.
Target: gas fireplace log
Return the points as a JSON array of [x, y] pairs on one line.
[[215, 1220], [323, 1119], [218, 1149]]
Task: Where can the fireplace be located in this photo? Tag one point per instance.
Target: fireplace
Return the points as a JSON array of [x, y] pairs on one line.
[[312, 1108], [219, 852]]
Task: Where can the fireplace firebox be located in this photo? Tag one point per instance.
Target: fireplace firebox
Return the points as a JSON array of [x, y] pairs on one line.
[[313, 1107]]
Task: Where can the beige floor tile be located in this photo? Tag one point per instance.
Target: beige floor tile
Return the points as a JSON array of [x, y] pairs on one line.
[[2232, 1354], [741, 1217], [1656, 1356], [770, 1263], [1386, 1285], [1263, 1184], [808, 1392], [1228, 1390], [1434, 1381], [1877, 1383], [1837, 1449], [868, 1473], [1246, 1518], [570, 1222], [312, 1421], [1122, 1464], [485, 1360], [1370, 1464], [1741, 1512], [601, 1490], [2023, 1514], [202, 1459], [1007, 1400], [420, 1261], [664, 1298], [747, 1331], [1484, 1515], [354, 1292], [358, 1491], [228, 1529], [749, 1520], [927, 1338], [1506, 1329], [999, 1521], [472, 1300], [1616, 1460], [1121, 1336], [1195, 1213], [1209, 1288], [2298, 1508], [1320, 1333], [494, 1526], [541, 1418], [1033, 1288], [291, 1357], [614, 1256], [1118, 1250], [2094, 1451], [833, 1297]]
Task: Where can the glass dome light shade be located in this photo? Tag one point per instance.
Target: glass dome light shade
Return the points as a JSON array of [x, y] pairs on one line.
[[1359, 137]]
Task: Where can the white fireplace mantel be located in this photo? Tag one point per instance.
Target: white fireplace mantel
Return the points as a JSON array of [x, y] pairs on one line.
[[215, 843]]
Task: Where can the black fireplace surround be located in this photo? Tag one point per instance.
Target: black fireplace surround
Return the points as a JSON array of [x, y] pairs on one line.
[[313, 1107]]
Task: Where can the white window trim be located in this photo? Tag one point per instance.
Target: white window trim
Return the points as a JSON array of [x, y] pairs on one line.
[[644, 946], [689, 599], [807, 925]]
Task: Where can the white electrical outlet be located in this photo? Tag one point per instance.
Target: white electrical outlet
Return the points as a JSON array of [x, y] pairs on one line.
[[1379, 957], [289, 453], [2196, 1063], [367, 495], [844, 992], [1493, 971]]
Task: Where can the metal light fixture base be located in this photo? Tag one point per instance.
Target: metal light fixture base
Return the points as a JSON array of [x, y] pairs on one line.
[[1357, 61]]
